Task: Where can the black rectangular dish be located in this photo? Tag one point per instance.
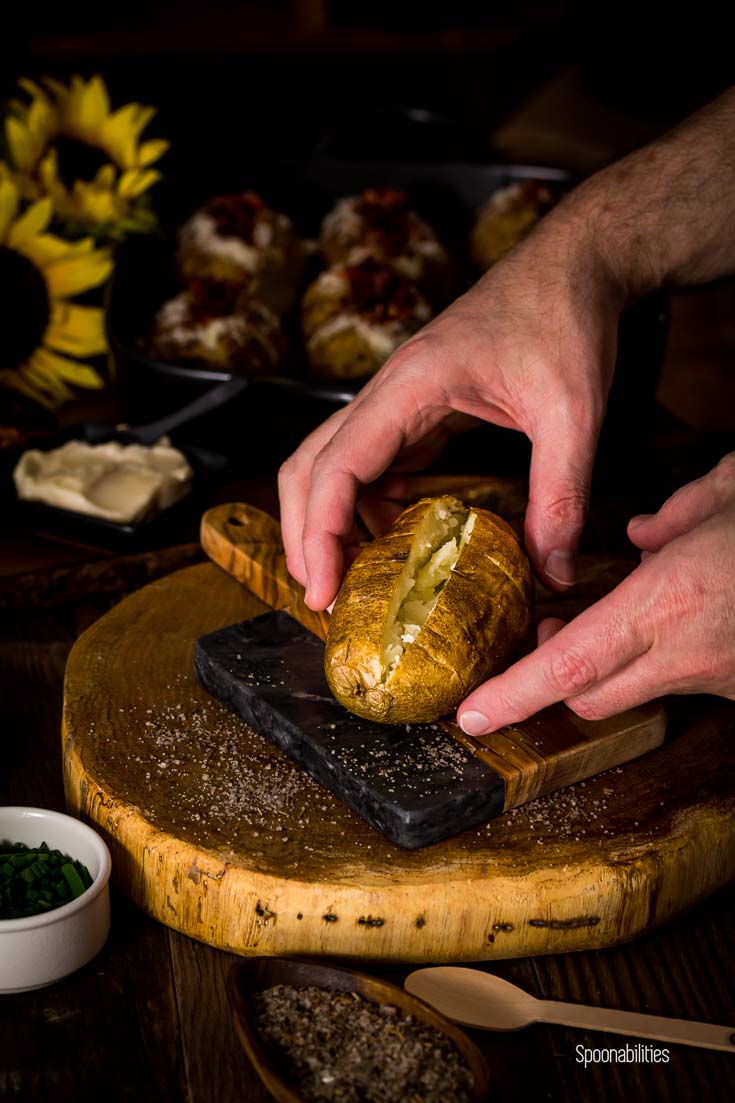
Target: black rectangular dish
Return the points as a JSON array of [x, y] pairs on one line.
[[414, 783], [79, 528]]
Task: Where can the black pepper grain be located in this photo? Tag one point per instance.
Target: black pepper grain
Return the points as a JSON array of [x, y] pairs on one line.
[[339, 1046]]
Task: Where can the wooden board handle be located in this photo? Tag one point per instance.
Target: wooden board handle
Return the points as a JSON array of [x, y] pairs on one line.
[[246, 542]]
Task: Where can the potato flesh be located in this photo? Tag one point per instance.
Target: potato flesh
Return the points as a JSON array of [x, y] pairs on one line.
[[431, 560]]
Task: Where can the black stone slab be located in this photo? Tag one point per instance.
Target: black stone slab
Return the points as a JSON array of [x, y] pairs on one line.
[[414, 783]]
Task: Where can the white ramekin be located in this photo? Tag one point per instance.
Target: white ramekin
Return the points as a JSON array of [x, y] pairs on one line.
[[41, 949]]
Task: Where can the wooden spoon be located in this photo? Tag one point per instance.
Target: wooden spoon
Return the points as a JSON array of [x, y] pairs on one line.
[[474, 998]]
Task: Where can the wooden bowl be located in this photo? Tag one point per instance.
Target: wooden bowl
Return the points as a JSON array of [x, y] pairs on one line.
[[256, 974]]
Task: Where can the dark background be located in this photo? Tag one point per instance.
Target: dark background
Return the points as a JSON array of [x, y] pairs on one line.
[[239, 85], [238, 81]]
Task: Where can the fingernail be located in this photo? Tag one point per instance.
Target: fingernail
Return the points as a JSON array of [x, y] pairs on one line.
[[560, 567], [639, 519], [474, 723]]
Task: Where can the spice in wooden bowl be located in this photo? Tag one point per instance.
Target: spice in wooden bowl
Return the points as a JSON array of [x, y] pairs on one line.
[[357, 1037], [339, 1046]]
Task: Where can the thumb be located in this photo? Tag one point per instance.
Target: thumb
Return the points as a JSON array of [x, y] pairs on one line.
[[687, 508], [561, 470]]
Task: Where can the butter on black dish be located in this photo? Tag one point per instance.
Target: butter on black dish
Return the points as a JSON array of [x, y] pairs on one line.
[[123, 483]]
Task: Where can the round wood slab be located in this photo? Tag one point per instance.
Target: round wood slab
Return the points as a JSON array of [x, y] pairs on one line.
[[215, 833]]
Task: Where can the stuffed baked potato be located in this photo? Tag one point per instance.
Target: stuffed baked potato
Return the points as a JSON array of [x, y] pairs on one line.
[[354, 318], [427, 612]]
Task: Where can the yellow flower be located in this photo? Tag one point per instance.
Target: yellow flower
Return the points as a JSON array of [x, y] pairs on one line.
[[43, 332], [66, 143]]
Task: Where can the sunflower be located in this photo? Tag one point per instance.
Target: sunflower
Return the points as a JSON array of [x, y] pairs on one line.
[[66, 143], [42, 329]]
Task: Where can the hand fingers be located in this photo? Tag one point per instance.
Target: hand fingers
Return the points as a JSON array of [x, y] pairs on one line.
[[640, 681], [294, 481], [548, 628], [600, 641], [360, 451], [561, 469], [380, 503], [685, 509]]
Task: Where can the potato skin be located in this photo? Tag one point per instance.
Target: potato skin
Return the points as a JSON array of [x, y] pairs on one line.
[[483, 613]]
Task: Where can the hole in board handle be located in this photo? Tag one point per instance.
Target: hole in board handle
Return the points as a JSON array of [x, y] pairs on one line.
[[236, 522]]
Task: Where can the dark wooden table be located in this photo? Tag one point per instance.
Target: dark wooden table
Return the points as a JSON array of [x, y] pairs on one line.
[[148, 1018]]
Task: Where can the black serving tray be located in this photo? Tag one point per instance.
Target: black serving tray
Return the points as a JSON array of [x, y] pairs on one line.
[[261, 428], [209, 469]]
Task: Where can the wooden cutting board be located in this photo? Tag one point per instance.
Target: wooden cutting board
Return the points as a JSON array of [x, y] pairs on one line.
[[420, 783], [215, 832]]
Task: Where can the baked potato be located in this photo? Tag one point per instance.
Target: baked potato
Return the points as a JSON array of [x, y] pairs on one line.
[[427, 612], [506, 218], [354, 318], [380, 224], [217, 325], [239, 239]]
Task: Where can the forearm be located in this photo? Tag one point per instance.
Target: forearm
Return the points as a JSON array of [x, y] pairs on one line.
[[664, 215]]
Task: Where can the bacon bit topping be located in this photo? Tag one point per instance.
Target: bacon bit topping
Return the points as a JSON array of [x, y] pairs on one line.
[[379, 292], [387, 216], [212, 299], [235, 214]]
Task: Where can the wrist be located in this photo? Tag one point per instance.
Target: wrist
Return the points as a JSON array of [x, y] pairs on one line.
[[616, 257], [596, 269]]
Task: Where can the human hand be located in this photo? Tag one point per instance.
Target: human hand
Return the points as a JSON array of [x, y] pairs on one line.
[[669, 627], [530, 347]]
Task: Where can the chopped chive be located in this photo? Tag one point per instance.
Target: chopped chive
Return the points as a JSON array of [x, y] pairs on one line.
[[72, 879], [35, 880]]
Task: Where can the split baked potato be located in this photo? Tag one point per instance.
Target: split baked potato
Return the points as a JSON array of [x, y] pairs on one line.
[[427, 612]]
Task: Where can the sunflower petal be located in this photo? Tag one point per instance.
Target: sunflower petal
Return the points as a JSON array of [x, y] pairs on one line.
[[61, 368], [15, 380], [151, 150], [34, 90], [42, 374], [41, 121], [96, 205], [33, 222], [68, 277], [48, 174], [19, 144], [134, 183], [46, 249], [118, 135], [8, 206], [94, 108], [59, 90], [78, 330], [105, 178], [143, 116]]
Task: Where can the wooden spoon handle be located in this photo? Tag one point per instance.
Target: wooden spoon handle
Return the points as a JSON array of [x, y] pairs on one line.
[[246, 542], [680, 1031]]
